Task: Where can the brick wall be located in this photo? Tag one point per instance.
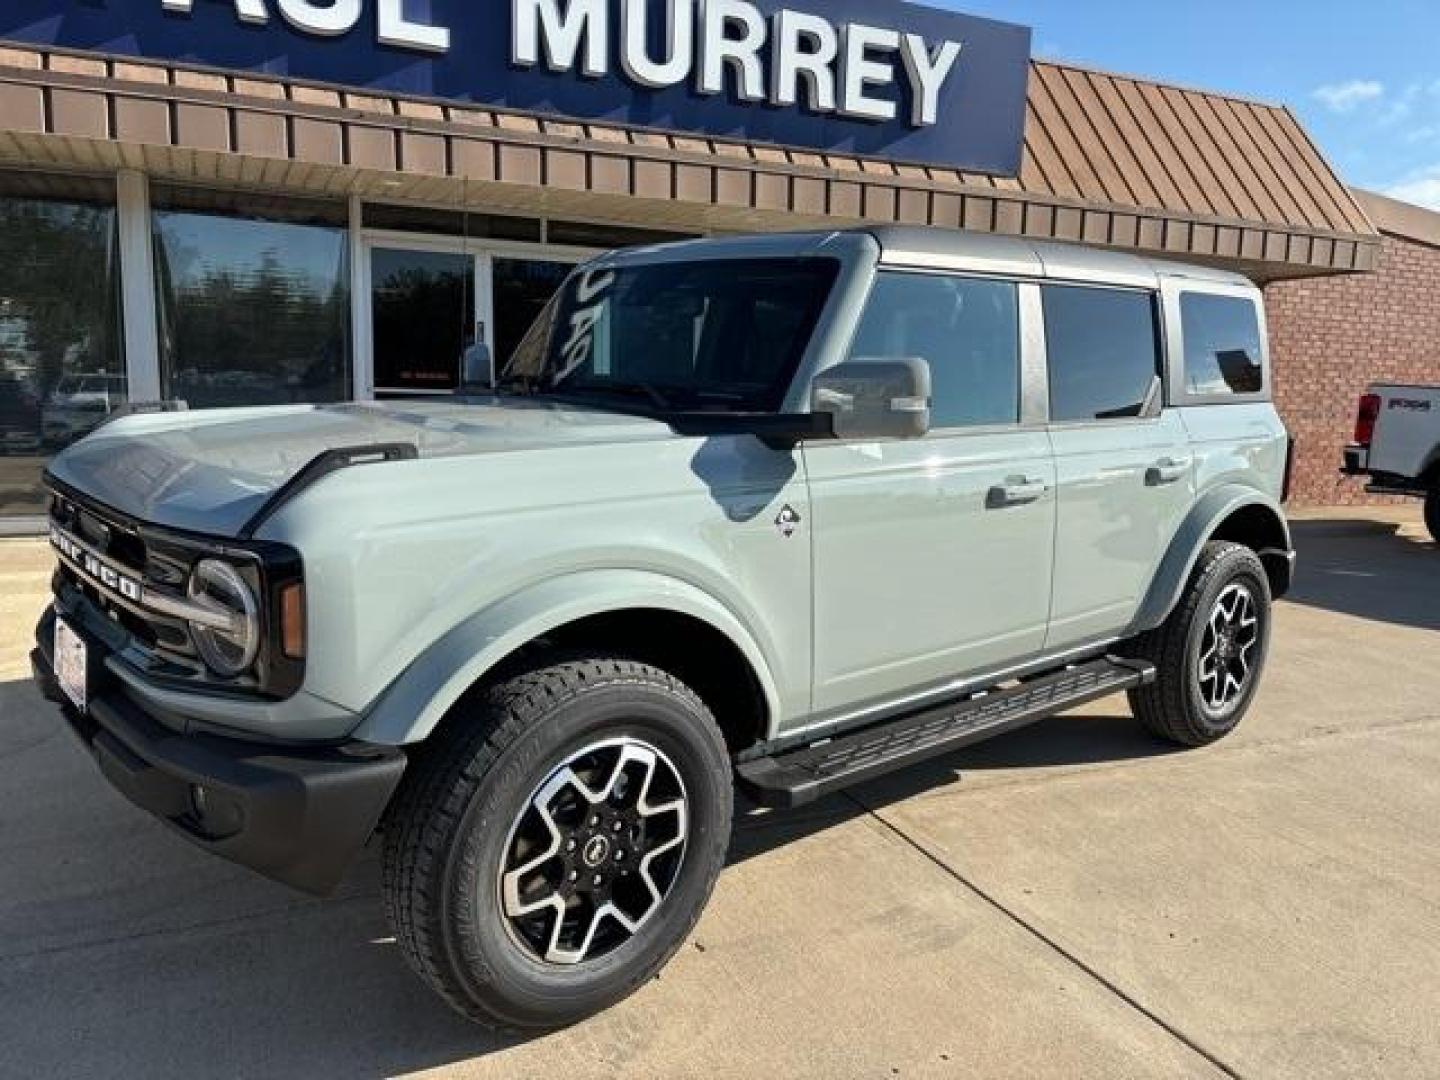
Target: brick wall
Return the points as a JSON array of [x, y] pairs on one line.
[[1330, 337]]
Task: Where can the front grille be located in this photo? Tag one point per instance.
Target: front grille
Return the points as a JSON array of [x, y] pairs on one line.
[[137, 585], [157, 642]]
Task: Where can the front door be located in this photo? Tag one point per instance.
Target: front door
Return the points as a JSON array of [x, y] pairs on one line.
[[435, 300], [423, 314], [932, 556]]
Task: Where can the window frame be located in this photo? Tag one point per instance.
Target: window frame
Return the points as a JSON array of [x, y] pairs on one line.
[[1173, 290], [1033, 386], [1163, 357]]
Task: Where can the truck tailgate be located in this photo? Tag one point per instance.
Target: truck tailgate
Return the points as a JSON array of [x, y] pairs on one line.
[[1407, 430]]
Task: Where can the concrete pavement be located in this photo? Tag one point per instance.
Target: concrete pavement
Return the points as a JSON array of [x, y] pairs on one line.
[[1072, 900]]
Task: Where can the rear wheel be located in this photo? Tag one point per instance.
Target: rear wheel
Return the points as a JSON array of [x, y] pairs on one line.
[[1210, 652], [1432, 512], [558, 844]]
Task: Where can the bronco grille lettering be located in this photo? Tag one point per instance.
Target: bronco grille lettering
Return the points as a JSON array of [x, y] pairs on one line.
[[101, 573]]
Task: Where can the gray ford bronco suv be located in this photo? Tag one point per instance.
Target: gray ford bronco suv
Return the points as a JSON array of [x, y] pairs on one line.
[[781, 511]]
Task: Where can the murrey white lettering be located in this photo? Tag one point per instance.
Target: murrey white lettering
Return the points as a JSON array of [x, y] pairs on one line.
[[722, 44], [639, 66], [805, 48], [793, 58], [331, 18]]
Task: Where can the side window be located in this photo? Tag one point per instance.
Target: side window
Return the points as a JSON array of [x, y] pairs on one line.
[[1104, 351], [1223, 351], [967, 328]]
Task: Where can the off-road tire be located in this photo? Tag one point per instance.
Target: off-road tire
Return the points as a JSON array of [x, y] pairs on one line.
[[1432, 512], [446, 839], [1173, 707]]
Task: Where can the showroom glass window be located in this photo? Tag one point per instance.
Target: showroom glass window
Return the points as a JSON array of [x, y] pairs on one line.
[[254, 298], [61, 367]]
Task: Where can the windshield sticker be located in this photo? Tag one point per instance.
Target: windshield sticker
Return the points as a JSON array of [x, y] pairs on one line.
[[590, 298]]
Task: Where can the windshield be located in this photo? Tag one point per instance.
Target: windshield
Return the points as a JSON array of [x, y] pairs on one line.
[[705, 335]]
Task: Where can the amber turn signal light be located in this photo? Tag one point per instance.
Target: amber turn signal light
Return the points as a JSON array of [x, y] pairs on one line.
[[292, 621]]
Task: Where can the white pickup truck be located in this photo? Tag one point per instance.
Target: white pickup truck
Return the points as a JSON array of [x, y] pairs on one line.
[[1397, 445]]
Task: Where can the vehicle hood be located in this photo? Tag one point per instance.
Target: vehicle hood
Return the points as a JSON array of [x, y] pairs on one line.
[[212, 471]]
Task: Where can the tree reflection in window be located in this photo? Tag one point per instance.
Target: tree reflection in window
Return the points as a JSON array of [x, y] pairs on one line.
[[254, 310], [61, 369]]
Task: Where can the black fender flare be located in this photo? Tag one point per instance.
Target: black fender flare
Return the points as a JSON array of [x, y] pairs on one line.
[[1207, 518]]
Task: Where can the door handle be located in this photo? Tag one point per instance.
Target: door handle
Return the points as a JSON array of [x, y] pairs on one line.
[[1016, 491], [1167, 471]]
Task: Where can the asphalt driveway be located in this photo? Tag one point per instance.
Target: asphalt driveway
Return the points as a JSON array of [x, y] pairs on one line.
[[1072, 900]]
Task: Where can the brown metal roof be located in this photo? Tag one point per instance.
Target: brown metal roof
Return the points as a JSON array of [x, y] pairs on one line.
[[1108, 138], [1402, 219], [1108, 160]]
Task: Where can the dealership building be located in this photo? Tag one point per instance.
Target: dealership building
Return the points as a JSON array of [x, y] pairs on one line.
[[233, 202]]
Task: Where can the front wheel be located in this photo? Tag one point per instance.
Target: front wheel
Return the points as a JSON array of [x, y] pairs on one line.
[[1210, 652], [556, 846], [1432, 513]]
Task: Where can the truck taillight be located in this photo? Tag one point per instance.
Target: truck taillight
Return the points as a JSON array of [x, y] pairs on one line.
[[1366, 417]]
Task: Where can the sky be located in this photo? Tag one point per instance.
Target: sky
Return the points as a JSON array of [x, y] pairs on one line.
[[1364, 77]]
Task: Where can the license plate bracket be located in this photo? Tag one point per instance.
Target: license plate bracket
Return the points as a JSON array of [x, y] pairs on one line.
[[71, 664]]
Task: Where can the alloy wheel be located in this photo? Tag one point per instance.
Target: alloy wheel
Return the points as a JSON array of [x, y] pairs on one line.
[[594, 852], [1227, 648]]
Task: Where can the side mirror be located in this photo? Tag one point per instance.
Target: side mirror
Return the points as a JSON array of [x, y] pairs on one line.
[[478, 374], [875, 399]]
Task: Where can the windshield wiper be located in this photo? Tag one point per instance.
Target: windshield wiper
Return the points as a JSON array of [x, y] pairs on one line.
[[589, 391], [519, 385], [593, 393], [637, 389], [605, 399]]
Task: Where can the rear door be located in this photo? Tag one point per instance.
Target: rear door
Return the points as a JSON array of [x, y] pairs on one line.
[[1123, 462], [932, 555], [1220, 384]]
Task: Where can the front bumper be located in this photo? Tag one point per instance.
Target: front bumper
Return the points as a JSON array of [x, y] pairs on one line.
[[298, 815]]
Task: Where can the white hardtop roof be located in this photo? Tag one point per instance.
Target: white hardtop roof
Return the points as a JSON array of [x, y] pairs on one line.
[[919, 247], [953, 249]]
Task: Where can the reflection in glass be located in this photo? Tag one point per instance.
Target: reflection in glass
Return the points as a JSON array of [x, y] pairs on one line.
[[1223, 350], [253, 311], [724, 334], [968, 329], [423, 307], [1103, 349], [61, 369], [522, 289]]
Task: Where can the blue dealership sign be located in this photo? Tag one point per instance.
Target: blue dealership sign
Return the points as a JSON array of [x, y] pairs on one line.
[[870, 77]]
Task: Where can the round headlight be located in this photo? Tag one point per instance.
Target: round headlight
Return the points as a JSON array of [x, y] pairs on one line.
[[218, 585]]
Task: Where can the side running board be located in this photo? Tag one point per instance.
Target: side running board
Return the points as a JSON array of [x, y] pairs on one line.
[[796, 777]]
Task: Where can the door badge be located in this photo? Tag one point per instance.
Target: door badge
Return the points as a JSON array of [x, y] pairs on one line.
[[787, 521]]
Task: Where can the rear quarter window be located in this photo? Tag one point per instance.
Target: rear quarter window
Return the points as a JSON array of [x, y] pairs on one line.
[[1224, 354]]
